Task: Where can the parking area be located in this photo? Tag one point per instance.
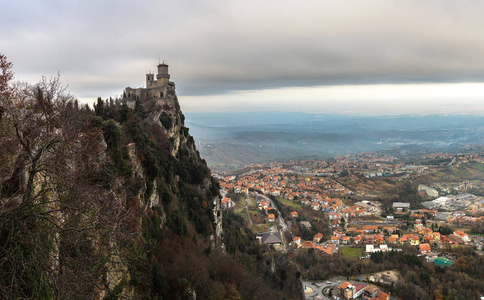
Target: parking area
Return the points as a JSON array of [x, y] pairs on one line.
[[321, 289]]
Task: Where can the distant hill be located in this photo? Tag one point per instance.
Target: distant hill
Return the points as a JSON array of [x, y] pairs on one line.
[[232, 139]]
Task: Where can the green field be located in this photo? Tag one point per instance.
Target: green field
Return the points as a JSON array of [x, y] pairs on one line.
[[262, 227], [350, 252], [254, 203], [239, 205], [289, 203]]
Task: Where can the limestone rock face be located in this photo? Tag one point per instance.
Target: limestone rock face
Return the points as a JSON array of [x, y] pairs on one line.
[[161, 114], [164, 114], [89, 197]]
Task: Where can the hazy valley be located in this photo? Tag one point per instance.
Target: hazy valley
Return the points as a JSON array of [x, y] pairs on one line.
[[234, 139]]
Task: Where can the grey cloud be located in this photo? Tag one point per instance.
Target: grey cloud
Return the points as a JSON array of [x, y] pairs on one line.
[[216, 46]]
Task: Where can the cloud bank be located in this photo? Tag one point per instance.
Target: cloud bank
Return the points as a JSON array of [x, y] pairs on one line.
[[215, 47]]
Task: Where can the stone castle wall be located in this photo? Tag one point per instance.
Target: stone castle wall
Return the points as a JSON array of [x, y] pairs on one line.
[[156, 89]]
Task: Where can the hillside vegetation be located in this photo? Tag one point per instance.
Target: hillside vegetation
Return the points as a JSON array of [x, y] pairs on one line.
[[465, 171], [372, 186], [112, 203]]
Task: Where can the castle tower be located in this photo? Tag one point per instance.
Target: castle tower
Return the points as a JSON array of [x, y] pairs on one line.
[[163, 77], [150, 80]]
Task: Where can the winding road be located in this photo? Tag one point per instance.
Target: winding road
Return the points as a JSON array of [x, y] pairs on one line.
[[282, 223]]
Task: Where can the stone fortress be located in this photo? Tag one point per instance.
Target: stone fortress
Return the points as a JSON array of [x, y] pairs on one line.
[[158, 99], [156, 90]]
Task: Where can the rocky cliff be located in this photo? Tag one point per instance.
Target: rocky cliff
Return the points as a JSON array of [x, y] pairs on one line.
[[87, 196], [114, 203]]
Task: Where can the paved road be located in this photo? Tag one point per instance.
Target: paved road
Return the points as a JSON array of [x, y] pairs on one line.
[[373, 223], [248, 216], [281, 219], [314, 290], [452, 162], [249, 202], [318, 287], [282, 223]]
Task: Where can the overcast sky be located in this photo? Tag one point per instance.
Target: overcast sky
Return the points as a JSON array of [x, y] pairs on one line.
[[356, 57]]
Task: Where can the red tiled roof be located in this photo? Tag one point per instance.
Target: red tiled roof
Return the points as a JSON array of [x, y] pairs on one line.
[[344, 285], [381, 296], [307, 244], [424, 247]]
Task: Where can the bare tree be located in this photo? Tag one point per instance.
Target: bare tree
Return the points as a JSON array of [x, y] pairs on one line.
[[5, 77], [60, 219]]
